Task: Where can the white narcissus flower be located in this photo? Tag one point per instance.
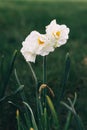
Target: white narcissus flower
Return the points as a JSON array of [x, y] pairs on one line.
[[42, 44], [36, 44], [58, 34]]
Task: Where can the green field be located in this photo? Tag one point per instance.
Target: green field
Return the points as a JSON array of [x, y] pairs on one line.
[[18, 19]]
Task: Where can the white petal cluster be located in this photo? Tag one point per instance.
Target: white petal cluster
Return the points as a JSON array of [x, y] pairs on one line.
[[36, 44], [42, 44], [58, 34]]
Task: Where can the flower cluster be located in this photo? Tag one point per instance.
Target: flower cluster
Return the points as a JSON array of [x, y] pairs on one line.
[[42, 44]]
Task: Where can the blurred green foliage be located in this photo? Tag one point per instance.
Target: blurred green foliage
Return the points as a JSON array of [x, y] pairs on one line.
[[18, 19]]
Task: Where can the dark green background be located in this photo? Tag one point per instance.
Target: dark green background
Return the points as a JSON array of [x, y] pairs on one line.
[[17, 20]]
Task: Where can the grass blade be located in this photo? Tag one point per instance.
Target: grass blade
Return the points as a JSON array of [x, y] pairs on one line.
[[32, 117], [53, 112], [65, 76], [69, 116], [79, 123], [1, 68], [45, 119], [6, 80], [5, 98], [23, 97]]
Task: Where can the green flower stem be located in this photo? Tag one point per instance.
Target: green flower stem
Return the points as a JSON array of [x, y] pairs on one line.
[[35, 78], [34, 75], [36, 84], [44, 79], [44, 69]]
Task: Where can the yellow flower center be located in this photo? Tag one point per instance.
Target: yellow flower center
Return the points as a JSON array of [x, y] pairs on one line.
[[40, 41], [58, 33]]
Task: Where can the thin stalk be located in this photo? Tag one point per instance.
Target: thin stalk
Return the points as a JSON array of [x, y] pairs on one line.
[[36, 82], [37, 100], [44, 79], [44, 69], [34, 75]]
